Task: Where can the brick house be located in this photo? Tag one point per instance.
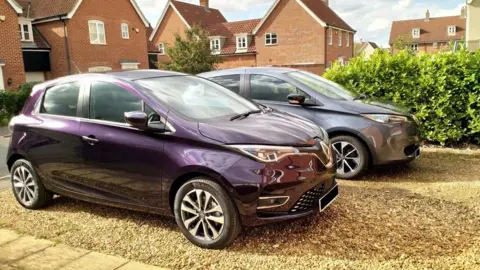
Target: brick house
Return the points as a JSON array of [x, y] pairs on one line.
[[429, 35], [83, 36], [305, 34], [12, 73]]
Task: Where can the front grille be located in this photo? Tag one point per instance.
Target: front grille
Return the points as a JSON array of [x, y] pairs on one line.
[[309, 200]]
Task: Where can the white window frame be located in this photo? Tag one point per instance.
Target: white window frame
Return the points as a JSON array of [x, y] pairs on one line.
[[215, 44], [125, 31], [269, 37], [330, 64], [348, 39], [340, 38], [22, 32], [2, 85], [330, 36], [240, 40], [414, 47], [99, 69], [452, 30], [99, 25], [416, 32], [161, 48], [435, 45], [129, 66]]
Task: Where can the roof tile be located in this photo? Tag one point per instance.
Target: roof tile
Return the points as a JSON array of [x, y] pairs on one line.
[[229, 29], [47, 8], [326, 14], [430, 31], [198, 15]]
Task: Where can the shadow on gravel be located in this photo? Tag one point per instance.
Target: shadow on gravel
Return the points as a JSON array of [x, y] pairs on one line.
[[371, 223]]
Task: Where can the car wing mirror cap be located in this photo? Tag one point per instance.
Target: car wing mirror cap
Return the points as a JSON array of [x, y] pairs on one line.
[[136, 119], [296, 99]]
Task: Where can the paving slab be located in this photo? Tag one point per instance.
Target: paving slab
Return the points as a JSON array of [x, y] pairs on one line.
[[7, 236], [50, 258], [22, 247], [139, 266], [97, 261]]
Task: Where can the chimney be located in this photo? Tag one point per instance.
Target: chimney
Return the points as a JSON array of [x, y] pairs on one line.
[[325, 2], [427, 16], [204, 3], [463, 13]]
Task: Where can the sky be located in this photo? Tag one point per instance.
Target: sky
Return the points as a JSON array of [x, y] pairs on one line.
[[371, 18]]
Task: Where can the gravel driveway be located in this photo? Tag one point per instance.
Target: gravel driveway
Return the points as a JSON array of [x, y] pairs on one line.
[[426, 215]]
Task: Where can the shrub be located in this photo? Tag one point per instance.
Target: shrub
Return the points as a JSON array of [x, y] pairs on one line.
[[443, 90], [12, 101]]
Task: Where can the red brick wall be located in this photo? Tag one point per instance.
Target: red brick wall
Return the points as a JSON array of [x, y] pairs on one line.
[[84, 55], [10, 47], [335, 51], [171, 24], [301, 39], [236, 61]]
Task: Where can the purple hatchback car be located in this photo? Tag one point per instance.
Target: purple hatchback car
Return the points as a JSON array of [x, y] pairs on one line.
[[172, 144]]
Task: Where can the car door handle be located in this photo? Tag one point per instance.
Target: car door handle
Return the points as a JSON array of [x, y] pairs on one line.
[[90, 139]]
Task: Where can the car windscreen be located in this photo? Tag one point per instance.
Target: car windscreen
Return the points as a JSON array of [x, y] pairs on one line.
[[321, 85], [197, 98]]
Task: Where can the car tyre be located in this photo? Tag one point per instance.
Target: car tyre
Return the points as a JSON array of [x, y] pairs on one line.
[[27, 186], [217, 221], [351, 155]]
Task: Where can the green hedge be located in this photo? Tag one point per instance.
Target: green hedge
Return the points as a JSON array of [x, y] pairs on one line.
[[12, 101], [442, 89]]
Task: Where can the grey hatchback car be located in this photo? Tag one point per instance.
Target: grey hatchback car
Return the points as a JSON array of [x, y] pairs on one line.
[[363, 132]]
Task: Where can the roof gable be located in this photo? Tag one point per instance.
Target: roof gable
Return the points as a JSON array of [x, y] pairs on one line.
[[16, 6], [64, 9], [321, 12], [191, 15], [430, 31]]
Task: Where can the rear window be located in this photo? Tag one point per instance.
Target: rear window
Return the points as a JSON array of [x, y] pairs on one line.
[[61, 100]]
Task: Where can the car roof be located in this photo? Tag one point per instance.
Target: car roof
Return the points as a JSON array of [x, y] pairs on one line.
[[133, 75], [248, 69]]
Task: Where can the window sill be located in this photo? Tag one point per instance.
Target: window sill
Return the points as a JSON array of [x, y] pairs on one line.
[[269, 45], [101, 44]]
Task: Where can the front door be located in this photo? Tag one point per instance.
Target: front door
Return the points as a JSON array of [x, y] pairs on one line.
[[273, 92], [123, 164]]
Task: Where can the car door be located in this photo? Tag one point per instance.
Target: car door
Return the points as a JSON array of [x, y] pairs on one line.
[[273, 92], [123, 164], [53, 141]]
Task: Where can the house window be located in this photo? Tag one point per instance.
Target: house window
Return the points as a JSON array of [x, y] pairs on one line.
[[215, 44], [161, 48], [271, 39], [340, 37], [97, 32], [452, 30], [435, 45], [25, 29], [414, 47], [348, 39], [416, 33], [125, 33], [330, 36], [241, 42], [330, 64]]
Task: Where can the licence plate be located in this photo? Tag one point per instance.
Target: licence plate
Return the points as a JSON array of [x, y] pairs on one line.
[[328, 199]]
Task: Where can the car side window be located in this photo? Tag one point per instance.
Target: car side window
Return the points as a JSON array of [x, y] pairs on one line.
[[264, 87], [231, 82], [109, 102], [61, 100]]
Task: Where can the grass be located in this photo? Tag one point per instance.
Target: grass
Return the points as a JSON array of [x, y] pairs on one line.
[[426, 215]]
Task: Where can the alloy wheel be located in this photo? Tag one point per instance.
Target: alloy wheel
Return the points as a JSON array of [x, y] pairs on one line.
[[202, 215], [24, 186], [348, 157]]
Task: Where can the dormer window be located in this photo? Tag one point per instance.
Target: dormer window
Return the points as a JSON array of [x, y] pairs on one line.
[[161, 48], [416, 33], [215, 44], [241, 42], [452, 30], [25, 30]]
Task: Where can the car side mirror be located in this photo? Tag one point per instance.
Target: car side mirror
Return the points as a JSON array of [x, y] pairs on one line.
[[136, 119], [296, 99]]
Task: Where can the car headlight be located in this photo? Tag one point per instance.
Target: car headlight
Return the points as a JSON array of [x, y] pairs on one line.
[[265, 153], [386, 118]]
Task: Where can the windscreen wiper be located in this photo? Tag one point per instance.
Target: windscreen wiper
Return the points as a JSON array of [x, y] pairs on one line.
[[244, 115]]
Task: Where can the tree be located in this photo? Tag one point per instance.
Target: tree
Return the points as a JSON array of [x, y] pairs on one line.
[[403, 42], [192, 54]]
